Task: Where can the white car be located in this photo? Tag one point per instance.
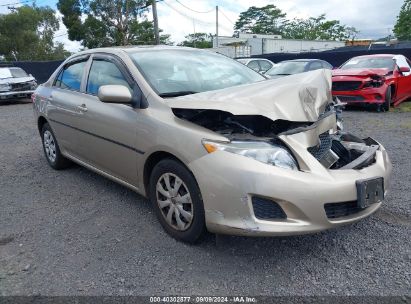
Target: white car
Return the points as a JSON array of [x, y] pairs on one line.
[[16, 83], [259, 65]]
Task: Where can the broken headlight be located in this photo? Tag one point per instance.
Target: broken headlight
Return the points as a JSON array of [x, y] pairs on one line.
[[262, 151], [4, 87]]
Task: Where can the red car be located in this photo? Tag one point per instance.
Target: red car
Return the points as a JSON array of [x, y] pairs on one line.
[[382, 80]]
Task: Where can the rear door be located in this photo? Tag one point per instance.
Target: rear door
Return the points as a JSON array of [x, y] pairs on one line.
[[63, 113], [108, 137]]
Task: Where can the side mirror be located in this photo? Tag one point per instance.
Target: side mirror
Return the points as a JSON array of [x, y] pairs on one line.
[[114, 94], [404, 69]]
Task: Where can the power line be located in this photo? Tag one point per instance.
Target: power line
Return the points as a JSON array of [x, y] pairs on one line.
[[221, 11], [15, 3], [187, 16], [212, 10], [60, 35]]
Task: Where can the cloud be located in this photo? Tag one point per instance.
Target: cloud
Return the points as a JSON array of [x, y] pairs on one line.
[[374, 18], [62, 36]]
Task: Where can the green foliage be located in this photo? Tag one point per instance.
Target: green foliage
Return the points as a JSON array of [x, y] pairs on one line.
[[271, 20], [27, 34], [402, 28], [198, 40], [108, 22], [261, 20], [317, 28]]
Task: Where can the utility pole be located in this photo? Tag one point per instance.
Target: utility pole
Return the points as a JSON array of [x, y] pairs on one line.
[[155, 19], [216, 25]]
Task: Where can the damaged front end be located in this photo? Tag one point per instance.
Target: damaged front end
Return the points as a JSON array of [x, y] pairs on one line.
[[296, 113], [324, 140]]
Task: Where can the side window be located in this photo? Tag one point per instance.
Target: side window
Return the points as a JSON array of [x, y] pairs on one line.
[[70, 77], [265, 65], [254, 65], [315, 65], [104, 73], [326, 65]]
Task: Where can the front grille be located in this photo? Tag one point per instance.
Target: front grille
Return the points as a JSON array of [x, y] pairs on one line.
[[336, 210], [346, 98], [20, 86], [265, 209], [346, 85], [325, 144]]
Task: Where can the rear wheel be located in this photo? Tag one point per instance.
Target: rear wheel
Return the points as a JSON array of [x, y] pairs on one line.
[[52, 150], [177, 201]]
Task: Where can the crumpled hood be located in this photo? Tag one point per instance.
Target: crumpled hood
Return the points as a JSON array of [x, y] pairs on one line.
[[361, 72], [16, 80], [301, 97]]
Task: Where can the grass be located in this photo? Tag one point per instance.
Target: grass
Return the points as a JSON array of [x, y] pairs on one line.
[[403, 107]]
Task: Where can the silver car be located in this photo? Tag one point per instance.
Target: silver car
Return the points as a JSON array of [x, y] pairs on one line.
[[213, 144]]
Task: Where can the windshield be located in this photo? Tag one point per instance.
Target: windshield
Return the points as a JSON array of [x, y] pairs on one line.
[[180, 72], [287, 68], [369, 63], [12, 73]]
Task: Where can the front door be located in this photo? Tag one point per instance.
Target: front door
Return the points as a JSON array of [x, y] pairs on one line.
[[108, 140]]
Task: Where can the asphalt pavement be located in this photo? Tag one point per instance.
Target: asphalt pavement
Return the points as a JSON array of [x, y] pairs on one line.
[[74, 232]]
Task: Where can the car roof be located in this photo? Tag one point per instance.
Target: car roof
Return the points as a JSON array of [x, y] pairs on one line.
[[303, 60], [137, 48], [377, 56]]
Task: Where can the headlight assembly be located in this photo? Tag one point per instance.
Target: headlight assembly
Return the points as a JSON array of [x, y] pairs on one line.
[[5, 87], [261, 151]]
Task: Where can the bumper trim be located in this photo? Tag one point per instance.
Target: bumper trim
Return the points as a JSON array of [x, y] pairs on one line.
[[15, 93]]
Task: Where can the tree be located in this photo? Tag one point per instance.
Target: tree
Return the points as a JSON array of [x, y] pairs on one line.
[[108, 22], [317, 28], [27, 34], [198, 40], [261, 20], [402, 28]]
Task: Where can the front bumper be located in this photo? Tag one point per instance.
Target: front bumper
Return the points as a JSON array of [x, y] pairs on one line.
[[15, 94], [228, 182], [362, 96]]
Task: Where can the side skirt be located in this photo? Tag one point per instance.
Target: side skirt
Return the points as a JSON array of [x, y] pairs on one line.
[[103, 173]]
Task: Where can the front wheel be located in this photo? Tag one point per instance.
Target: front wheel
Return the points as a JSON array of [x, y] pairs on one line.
[[177, 201], [388, 100]]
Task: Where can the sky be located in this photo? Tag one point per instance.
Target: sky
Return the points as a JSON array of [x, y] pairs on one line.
[[374, 18]]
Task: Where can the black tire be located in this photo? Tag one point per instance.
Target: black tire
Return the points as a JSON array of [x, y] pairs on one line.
[[57, 162], [388, 99], [196, 228]]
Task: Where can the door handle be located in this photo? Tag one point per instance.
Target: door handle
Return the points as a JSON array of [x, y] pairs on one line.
[[82, 108]]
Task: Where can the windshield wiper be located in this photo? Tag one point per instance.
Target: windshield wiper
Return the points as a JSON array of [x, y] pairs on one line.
[[176, 94], [282, 74]]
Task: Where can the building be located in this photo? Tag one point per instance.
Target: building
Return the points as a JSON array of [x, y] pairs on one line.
[[245, 45]]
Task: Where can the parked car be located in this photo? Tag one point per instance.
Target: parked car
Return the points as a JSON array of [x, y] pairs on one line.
[[259, 65], [211, 143], [15, 83], [381, 80], [291, 67]]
